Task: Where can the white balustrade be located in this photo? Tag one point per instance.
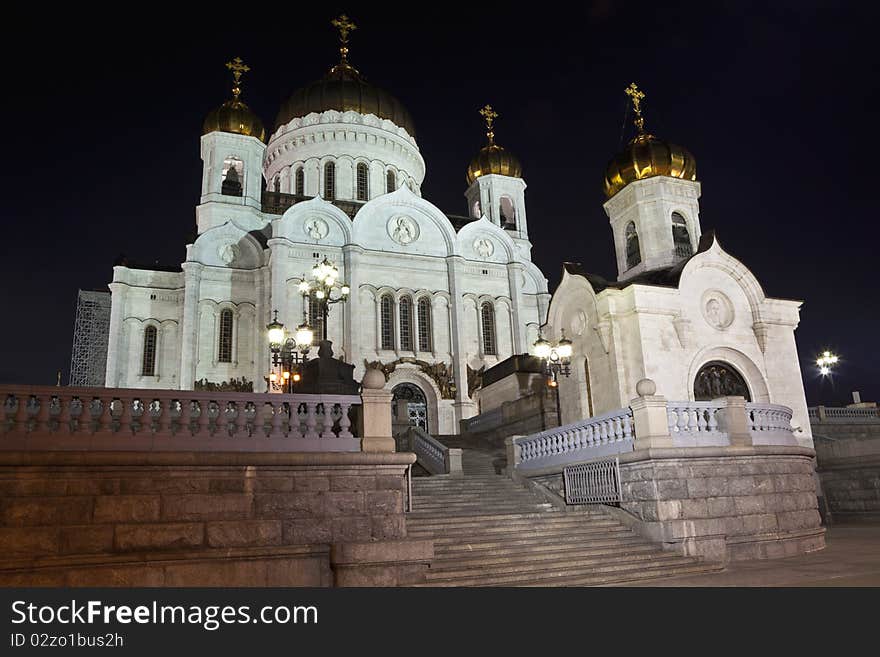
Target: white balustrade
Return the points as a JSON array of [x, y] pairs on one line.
[[611, 433], [770, 424], [696, 423], [45, 417], [843, 415], [431, 454]]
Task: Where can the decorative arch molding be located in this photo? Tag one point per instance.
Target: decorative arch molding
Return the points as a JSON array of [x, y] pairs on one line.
[[383, 206], [755, 380], [158, 323], [569, 293], [484, 227], [290, 225], [228, 245], [409, 373], [717, 258]]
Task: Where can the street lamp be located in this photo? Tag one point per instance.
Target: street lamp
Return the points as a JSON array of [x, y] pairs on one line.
[[325, 282], [825, 361], [288, 353], [557, 360]]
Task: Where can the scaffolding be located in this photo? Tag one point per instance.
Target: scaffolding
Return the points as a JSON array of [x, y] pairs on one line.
[[91, 332]]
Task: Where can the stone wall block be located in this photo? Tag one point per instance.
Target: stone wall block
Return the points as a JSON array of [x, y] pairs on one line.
[[798, 520], [356, 528], [694, 509], [170, 484], [717, 487], [29, 541], [390, 482], [236, 533], [86, 539], [207, 507], [343, 503], [45, 511], [229, 485], [353, 483], [749, 504], [389, 527], [671, 489], [719, 507], [126, 508], [309, 483], [308, 530], [273, 484], [159, 536], [741, 486], [383, 502], [669, 510], [288, 505], [698, 487]]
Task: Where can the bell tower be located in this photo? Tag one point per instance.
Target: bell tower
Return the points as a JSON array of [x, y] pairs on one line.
[[653, 200]]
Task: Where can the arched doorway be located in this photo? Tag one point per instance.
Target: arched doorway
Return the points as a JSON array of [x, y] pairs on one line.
[[719, 379], [417, 405]]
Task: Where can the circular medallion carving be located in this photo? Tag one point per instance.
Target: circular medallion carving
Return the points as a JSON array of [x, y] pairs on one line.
[[578, 323], [228, 253], [316, 228], [484, 247], [717, 309], [403, 230]]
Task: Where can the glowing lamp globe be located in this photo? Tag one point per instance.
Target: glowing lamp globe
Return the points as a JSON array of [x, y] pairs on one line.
[[541, 348]]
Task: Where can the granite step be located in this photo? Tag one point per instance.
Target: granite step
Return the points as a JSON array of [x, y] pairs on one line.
[[538, 550]]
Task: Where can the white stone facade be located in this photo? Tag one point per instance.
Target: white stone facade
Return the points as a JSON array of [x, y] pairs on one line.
[[700, 309], [398, 244]]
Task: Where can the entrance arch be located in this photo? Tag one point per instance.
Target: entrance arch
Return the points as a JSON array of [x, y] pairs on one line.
[[719, 379], [417, 404]]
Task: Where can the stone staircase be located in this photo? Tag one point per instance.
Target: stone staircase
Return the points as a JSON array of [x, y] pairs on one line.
[[490, 531]]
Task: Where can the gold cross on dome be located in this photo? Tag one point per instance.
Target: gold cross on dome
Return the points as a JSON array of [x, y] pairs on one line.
[[238, 68], [344, 25], [490, 115], [636, 95]]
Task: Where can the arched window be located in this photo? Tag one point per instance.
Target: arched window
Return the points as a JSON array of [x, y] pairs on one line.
[[476, 210], [680, 236], [717, 379], [406, 324], [487, 313], [633, 253], [231, 177], [148, 364], [363, 179], [329, 181], [390, 182], [224, 349], [508, 212], [424, 317], [316, 317], [387, 320], [300, 182]]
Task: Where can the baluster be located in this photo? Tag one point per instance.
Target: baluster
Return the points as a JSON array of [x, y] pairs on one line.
[[173, 417], [263, 421], [701, 420], [618, 429], [154, 409], [120, 413], [328, 421], [63, 416], [74, 414], [713, 421], [203, 429], [692, 420], [311, 419], [627, 427], [604, 437], [277, 419], [38, 413], [345, 421]]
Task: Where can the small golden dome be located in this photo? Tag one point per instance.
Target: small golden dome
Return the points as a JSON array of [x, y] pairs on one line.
[[492, 158], [647, 156], [234, 115]]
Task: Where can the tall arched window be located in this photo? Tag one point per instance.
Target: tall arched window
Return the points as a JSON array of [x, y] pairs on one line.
[[406, 324], [316, 317], [231, 177], [424, 317], [387, 321], [329, 181], [719, 379], [507, 212], [390, 181], [363, 182], [148, 362], [633, 253], [224, 348], [487, 313], [680, 236], [300, 182]]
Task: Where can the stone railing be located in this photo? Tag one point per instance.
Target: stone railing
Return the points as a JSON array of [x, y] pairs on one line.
[[611, 433], [696, 423], [431, 454], [69, 418], [843, 415], [484, 421], [769, 424]]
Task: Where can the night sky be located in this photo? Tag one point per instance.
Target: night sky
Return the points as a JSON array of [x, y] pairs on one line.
[[777, 101]]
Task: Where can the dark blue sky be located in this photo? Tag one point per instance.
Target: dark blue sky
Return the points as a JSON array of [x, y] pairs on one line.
[[102, 117]]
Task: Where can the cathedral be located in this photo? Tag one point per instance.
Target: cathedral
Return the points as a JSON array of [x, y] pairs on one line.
[[431, 298]]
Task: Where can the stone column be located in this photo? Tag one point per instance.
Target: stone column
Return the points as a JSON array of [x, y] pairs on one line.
[[464, 407], [189, 333], [375, 415], [118, 292], [514, 270], [351, 256], [650, 417]]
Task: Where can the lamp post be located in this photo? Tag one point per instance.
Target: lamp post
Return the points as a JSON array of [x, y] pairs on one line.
[[288, 354], [825, 361], [325, 282], [557, 360]]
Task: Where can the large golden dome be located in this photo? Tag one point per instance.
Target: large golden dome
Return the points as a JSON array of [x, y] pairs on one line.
[[492, 158], [646, 156], [344, 89], [234, 115]]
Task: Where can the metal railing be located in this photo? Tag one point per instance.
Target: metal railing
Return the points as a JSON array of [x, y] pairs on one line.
[[603, 435], [72, 418], [597, 482]]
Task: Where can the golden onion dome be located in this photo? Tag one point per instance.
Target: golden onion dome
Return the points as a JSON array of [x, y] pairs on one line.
[[646, 156], [344, 89], [492, 158], [234, 115]]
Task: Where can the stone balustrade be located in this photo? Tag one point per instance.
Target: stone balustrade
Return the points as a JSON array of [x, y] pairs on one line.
[[770, 424], [843, 415], [611, 433], [88, 418], [692, 423], [431, 454]]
